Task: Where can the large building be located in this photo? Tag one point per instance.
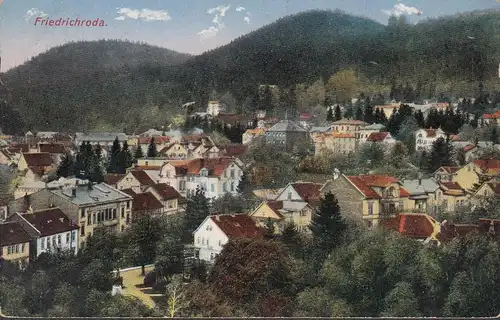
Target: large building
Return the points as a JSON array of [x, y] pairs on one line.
[[286, 134]]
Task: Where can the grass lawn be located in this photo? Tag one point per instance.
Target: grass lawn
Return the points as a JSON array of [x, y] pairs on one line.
[[133, 285]]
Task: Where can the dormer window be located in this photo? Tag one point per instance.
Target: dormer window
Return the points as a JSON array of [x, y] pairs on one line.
[[204, 172], [289, 197]]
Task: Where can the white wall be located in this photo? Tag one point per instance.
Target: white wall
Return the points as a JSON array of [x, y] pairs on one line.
[[209, 241], [72, 244]]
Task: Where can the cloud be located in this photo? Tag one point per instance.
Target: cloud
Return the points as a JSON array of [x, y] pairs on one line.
[[34, 12], [142, 14], [402, 9], [218, 13], [240, 8], [247, 19]]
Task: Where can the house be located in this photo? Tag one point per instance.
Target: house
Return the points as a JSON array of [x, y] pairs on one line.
[[29, 187], [214, 108], [205, 151], [424, 138], [445, 173], [486, 191], [337, 142], [365, 131], [214, 176], [425, 194], [414, 225], [49, 230], [113, 178], [454, 196], [145, 204], [14, 244], [171, 199], [490, 119], [175, 150], [217, 230], [349, 126], [369, 198], [286, 134], [105, 139], [40, 161], [88, 205], [381, 137], [234, 150], [475, 172], [232, 119], [251, 134], [283, 213], [160, 142], [301, 191], [56, 150], [136, 180]]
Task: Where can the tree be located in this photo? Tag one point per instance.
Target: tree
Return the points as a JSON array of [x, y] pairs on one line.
[[152, 152], [359, 114], [338, 113], [125, 158], [145, 234], [440, 155], [138, 154], [177, 301], [266, 101], [197, 209], [291, 238], [270, 228], [343, 85], [327, 225], [494, 135], [114, 159], [398, 157], [66, 167], [244, 186], [401, 302], [329, 115]]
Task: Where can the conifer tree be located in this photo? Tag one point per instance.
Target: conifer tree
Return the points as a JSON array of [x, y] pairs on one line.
[[338, 113], [329, 115], [440, 155], [138, 154], [197, 209], [114, 159], [152, 152], [270, 228], [125, 158], [66, 167]]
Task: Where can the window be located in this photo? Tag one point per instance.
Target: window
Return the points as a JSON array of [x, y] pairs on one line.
[[114, 213], [303, 213], [83, 213], [212, 256], [89, 220], [54, 243], [48, 243], [128, 204], [203, 241], [67, 237], [370, 208], [224, 186], [82, 231], [58, 239], [208, 242], [220, 243], [232, 186], [73, 236], [123, 212], [212, 188], [42, 243], [22, 247], [289, 197], [198, 240], [232, 174]]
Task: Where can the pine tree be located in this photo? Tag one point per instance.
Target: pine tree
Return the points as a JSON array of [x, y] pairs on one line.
[[138, 154], [114, 161], [267, 99], [244, 184], [494, 135], [125, 158], [359, 114], [197, 209], [291, 238], [338, 113], [270, 228], [152, 148], [66, 167], [327, 225], [440, 155], [329, 115]]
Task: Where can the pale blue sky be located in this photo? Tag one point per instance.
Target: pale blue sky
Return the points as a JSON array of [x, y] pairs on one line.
[[20, 39]]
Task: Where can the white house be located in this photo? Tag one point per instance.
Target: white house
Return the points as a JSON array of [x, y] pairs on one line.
[[216, 176], [49, 229], [424, 138], [216, 230], [381, 137], [214, 108]]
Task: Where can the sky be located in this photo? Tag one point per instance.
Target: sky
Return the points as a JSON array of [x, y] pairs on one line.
[[191, 26]]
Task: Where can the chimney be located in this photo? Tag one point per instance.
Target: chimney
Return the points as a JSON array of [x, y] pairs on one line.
[[73, 192]]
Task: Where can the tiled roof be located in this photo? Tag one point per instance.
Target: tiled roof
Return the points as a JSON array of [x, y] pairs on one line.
[[215, 166], [145, 201], [492, 115], [147, 167], [40, 171], [39, 159], [349, 122], [166, 192], [413, 225], [491, 166], [113, 178], [286, 126], [57, 148], [193, 138], [451, 185], [24, 147], [12, 233], [377, 136], [451, 231], [142, 177], [275, 206], [234, 150], [365, 183], [129, 191], [452, 189], [238, 226], [157, 140], [307, 190], [469, 147], [50, 221]]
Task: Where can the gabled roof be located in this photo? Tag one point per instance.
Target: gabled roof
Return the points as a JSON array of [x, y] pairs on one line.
[[113, 178], [19, 147], [154, 168], [469, 147], [452, 188], [307, 190], [378, 136], [145, 201], [490, 166], [142, 177], [129, 191], [165, 191], [491, 115], [415, 225], [53, 148], [450, 231], [238, 226], [422, 186], [39, 159], [234, 150], [12, 233], [157, 140], [366, 183], [286, 126], [448, 169], [50, 221]]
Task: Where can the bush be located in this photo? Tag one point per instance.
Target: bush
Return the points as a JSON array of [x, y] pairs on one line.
[[150, 279], [160, 285]]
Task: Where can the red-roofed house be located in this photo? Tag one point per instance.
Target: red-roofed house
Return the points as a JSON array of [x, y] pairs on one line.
[[160, 142], [283, 212], [487, 190], [50, 230], [36, 165], [136, 180], [381, 137], [424, 138], [56, 150], [14, 244], [445, 173], [146, 204], [414, 225], [369, 197], [490, 118], [216, 230], [474, 172], [214, 176], [171, 200]]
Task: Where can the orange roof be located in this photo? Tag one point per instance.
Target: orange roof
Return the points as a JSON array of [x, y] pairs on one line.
[[157, 140], [431, 132], [307, 190], [415, 225], [377, 136], [490, 166], [215, 166], [238, 226], [492, 115], [365, 183], [469, 147]]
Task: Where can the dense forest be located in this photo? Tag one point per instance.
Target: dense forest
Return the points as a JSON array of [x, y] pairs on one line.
[[141, 84]]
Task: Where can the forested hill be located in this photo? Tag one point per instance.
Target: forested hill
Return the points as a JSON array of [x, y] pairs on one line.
[[80, 85]]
